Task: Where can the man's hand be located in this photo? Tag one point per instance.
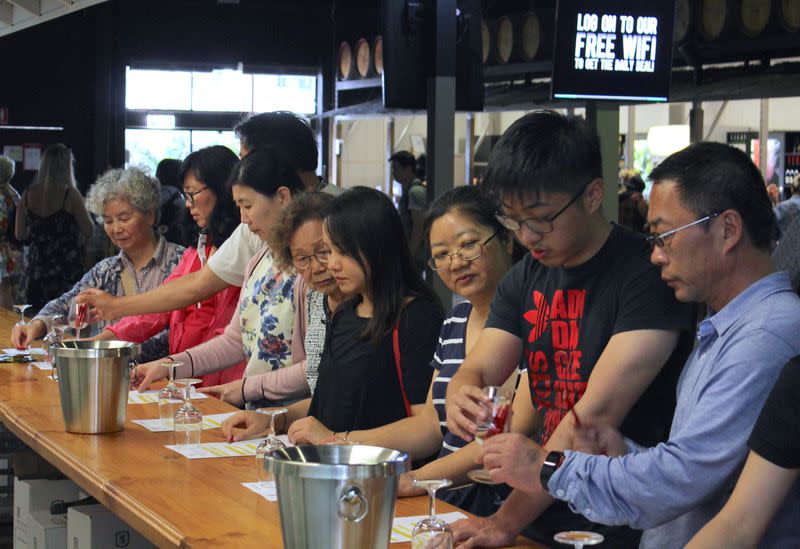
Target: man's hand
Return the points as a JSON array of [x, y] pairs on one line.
[[230, 392], [468, 406], [514, 459], [244, 426], [145, 374], [406, 487], [103, 305], [600, 440], [309, 430], [481, 532], [22, 336]]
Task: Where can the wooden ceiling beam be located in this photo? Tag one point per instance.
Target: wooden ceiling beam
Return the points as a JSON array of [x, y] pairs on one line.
[[33, 7]]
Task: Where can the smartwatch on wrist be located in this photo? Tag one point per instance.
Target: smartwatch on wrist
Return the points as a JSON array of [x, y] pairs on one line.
[[551, 463]]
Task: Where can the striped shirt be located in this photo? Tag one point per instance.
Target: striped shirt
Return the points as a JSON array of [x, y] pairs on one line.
[[448, 357]]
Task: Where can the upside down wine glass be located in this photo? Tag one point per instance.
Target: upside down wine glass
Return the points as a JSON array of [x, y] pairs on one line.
[[170, 397], [578, 539], [272, 442], [21, 310], [498, 422], [188, 419], [432, 532]]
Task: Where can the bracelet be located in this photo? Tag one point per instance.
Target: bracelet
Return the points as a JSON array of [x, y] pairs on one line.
[[243, 381]]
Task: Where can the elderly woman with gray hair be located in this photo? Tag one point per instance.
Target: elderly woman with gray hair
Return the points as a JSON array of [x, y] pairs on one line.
[[127, 204]]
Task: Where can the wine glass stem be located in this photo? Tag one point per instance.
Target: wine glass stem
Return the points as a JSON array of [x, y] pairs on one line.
[[171, 374], [272, 426], [188, 393], [432, 502]]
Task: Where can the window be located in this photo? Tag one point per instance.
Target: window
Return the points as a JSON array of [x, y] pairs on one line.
[[163, 90], [146, 148], [299, 94], [205, 138], [229, 91]]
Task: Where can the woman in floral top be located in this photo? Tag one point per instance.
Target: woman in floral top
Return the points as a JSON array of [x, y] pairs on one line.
[[127, 203], [10, 252], [261, 330]]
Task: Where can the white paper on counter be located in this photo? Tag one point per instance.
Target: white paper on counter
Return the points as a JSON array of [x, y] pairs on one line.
[[32, 351], [151, 397], [221, 449], [212, 421], [403, 526], [42, 365], [266, 490]]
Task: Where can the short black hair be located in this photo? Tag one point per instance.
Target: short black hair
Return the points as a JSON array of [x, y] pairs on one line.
[[265, 170], [713, 177], [405, 159], [543, 152], [167, 172], [284, 130]]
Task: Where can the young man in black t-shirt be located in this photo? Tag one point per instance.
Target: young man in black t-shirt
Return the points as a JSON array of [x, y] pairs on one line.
[[587, 313]]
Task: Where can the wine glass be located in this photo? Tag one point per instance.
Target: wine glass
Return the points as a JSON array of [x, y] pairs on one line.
[[54, 338], [188, 419], [170, 397], [498, 422], [578, 539], [21, 310], [78, 317], [272, 442], [431, 532]]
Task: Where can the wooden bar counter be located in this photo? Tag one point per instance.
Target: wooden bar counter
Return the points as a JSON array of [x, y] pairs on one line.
[[171, 500]]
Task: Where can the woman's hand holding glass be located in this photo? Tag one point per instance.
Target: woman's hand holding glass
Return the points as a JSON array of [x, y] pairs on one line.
[[230, 392], [102, 304], [143, 375], [22, 335], [245, 426], [309, 430]]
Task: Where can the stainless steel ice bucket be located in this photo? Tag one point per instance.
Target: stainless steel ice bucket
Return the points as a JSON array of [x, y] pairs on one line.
[[93, 381], [337, 497]]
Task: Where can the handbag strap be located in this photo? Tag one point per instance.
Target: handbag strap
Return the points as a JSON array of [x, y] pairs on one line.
[[396, 346]]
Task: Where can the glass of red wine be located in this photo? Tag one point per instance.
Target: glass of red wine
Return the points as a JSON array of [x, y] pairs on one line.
[[499, 421], [78, 317]]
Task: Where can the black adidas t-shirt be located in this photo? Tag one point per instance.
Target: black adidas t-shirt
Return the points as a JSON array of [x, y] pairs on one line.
[[566, 316]]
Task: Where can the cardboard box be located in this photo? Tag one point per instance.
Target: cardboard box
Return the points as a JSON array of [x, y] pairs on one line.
[[95, 527], [47, 531], [36, 495]]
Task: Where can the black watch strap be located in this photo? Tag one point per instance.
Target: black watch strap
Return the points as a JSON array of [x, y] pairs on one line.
[[551, 463]]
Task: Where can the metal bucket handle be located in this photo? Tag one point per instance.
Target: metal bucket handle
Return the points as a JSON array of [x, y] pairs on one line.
[[353, 504]]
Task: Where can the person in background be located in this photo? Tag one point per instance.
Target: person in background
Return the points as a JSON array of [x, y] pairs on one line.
[[585, 311], [632, 204], [374, 365], [127, 203], [774, 194], [422, 167], [788, 210], [204, 175], [715, 229], [768, 477], [53, 222], [10, 249], [413, 203], [287, 133], [173, 223], [261, 331], [786, 255]]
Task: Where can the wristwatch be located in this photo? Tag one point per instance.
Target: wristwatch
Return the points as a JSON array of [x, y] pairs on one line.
[[551, 463]]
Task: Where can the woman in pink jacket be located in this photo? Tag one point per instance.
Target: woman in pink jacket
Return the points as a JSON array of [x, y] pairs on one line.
[[203, 175]]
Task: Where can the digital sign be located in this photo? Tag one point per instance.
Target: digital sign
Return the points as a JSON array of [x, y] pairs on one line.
[[613, 50]]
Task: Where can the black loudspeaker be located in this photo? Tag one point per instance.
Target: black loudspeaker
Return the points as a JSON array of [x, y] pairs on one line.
[[409, 33]]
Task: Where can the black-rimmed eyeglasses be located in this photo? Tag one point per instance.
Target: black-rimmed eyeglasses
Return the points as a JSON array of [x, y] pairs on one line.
[[301, 262], [468, 252], [537, 224], [658, 239], [190, 195]]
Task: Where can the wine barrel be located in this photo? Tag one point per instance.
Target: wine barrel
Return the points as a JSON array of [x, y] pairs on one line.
[[486, 41], [345, 61], [377, 55], [754, 16], [717, 18], [363, 58], [683, 20], [529, 36], [789, 14], [503, 43]]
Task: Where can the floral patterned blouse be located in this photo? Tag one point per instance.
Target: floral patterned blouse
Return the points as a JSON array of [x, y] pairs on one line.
[[266, 314], [106, 275], [10, 253]]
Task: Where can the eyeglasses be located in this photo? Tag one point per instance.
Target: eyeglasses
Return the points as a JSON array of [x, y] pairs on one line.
[[301, 262], [657, 239], [468, 252], [537, 225], [190, 196]]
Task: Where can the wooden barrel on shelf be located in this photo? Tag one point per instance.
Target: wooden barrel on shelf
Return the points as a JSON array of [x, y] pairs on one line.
[[528, 36], [754, 16], [377, 55], [486, 41], [344, 61], [789, 14], [363, 55], [683, 20], [503, 40]]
